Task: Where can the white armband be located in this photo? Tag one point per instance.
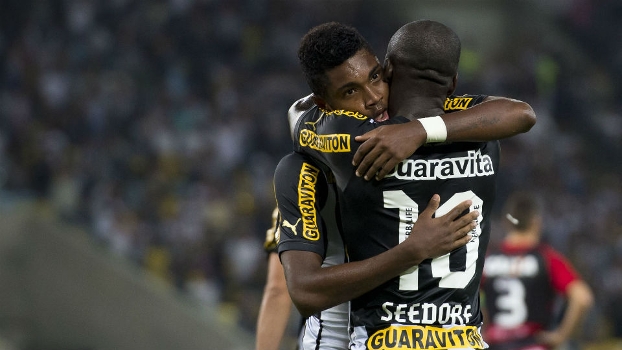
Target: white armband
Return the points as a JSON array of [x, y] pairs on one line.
[[435, 129]]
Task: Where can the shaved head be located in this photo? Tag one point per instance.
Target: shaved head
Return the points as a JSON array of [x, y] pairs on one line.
[[425, 48]]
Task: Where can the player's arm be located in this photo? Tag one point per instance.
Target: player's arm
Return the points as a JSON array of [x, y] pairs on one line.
[[495, 118], [579, 300], [314, 288], [275, 308], [276, 304]]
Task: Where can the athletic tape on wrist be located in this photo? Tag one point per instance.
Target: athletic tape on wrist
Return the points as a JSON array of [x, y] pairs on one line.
[[435, 129]]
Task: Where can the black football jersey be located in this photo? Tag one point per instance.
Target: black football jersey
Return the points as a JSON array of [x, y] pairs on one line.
[[434, 304], [521, 285], [308, 222]]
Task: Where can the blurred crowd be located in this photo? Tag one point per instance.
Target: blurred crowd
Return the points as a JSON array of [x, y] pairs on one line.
[[157, 126]]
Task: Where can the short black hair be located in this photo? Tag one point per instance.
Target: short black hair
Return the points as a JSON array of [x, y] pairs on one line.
[[327, 46], [521, 208], [428, 47]]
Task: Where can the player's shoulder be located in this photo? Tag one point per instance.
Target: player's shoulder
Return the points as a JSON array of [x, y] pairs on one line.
[[458, 103], [293, 159], [316, 123], [293, 163], [341, 121], [298, 109], [549, 252], [309, 116]]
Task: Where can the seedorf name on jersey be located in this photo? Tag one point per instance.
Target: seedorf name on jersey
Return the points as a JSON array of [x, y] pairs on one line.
[[474, 164], [330, 143], [306, 201], [419, 337], [427, 313]]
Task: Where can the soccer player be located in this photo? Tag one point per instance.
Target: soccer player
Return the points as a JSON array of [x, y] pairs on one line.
[[522, 280], [331, 324], [328, 329], [410, 309], [513, 121], [324, 330]]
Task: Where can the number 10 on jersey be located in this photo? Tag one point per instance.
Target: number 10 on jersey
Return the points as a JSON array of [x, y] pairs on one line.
[[408, 214]]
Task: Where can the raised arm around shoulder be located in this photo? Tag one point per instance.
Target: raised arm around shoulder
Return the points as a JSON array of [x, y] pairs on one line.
[[579, 300], [494, 119], [275, 308]]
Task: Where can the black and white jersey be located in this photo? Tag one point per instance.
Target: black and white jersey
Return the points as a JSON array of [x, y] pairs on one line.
[[308, 222], [434, 305]]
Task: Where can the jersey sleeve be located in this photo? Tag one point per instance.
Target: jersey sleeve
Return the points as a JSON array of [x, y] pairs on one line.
[[458, 103], [297, 109], [301, 191], [562, 272], [329, 138]]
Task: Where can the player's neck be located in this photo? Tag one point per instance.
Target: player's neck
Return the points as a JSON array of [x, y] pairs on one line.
[[415, 100], [522, 239]]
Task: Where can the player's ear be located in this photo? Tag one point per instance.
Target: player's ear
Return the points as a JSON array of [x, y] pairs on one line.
[[320, 102], [388, 70], [452, 86]]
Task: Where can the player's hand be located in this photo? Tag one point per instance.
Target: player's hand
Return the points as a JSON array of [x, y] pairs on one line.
[[551, 338], [386, 146], [432, 237]]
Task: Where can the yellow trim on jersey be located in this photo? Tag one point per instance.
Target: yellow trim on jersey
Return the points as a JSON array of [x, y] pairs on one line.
[[331, 143], [457, 103], [419, 337], [306, 201], [355, 115]]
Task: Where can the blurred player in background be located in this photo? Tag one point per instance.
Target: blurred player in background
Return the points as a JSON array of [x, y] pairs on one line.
[[522, 280], [276, 305]]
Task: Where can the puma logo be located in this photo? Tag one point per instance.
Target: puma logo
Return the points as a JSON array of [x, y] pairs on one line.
[[291, 227]]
